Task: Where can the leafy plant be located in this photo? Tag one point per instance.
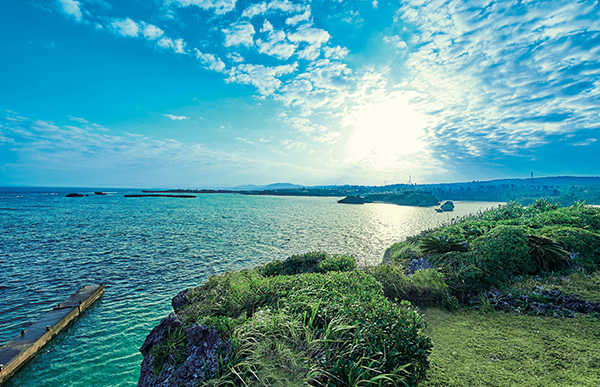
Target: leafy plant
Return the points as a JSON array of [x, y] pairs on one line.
[[440, 244], [423, 288], [583, 244], [171, 350], [313, 262], [548, 254]]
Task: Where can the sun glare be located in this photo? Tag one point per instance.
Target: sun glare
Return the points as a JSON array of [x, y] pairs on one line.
[[383, 131]]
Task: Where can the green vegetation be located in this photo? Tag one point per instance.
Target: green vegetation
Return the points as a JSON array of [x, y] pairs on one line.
[[506, 243], [170, 351], [404, 198], [315, 325], [498, 349], [534, 257], [315, 319]]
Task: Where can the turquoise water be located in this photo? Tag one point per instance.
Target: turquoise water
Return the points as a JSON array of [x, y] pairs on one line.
[[146, 250]]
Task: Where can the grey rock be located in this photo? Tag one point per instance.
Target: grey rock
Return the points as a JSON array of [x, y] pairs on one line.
[[181, 300], [417, 264], [204, 349]]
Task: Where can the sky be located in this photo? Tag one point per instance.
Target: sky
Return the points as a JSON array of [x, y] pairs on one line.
[[218, 93]]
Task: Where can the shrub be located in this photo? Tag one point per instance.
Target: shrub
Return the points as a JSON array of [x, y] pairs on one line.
[[313, 262], [425, 287], [548, 254], [504, 252], [401, 252], [381, 340], [583, 244], [440, 245], [337, 263]]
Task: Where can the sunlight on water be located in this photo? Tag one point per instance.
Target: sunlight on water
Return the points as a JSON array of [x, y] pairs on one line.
[[146, 250]]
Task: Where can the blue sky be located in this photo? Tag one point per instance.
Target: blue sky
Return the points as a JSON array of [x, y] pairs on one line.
[[191, 93]]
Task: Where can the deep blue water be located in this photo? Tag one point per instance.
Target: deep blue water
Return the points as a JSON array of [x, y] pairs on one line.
[[146, 250]]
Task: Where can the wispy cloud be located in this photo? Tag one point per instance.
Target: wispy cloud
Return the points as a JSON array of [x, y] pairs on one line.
[[500, 78], [177, 45], [219, 6], [71, 8], [239, 34], [176, 118], [125, 27]]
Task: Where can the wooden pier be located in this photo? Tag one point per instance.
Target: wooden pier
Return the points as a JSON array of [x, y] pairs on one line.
[[22, 348]]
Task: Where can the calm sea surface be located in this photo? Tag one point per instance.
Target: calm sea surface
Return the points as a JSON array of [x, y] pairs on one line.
[[146, 250]]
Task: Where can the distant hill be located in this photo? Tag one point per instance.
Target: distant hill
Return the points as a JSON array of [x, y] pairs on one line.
[[560, 189]]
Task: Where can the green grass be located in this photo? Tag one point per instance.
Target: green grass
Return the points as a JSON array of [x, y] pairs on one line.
[[496, 349]]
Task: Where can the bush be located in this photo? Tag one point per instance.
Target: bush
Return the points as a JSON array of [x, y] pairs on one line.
[[440, 245], [423, 288], [380, 341], [503, 252], [548, 254], [313, 262], [402, 252], [583, 244]]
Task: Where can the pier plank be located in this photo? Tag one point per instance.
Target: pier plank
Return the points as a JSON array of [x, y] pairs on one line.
[[15, 353]]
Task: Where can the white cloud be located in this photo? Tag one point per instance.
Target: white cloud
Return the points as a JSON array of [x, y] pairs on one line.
[[265, 79], [298, 18], [219, 6], [125, 27], [335, 53], [589, 141], [267, 26], [502, 76], [276, 44], [310, 35], [71, 8], [151, 31], [395, 41], [283, 6], [177, 45], [210, 61], [176, 118], [245, 140], [235, 57], [239, 33]]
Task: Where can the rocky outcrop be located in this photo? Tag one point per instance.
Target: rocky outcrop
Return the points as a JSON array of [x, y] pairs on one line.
[[417, 264], [542, 301], [352, 200], [180, 301], [74, 195], [203, 349]]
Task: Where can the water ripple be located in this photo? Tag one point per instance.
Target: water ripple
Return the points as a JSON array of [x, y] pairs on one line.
[[146, 251]]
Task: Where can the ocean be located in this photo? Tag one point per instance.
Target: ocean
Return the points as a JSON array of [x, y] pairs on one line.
[[146, 250]]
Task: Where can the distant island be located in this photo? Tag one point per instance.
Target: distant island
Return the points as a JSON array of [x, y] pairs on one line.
[[564, 190], [406, 198]]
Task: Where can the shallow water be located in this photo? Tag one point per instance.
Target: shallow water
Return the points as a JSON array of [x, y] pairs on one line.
[[146, 250]]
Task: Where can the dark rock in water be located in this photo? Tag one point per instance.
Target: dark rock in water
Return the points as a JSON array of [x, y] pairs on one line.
[[180, 300], [352, 200], [100, 193], [204, 348], [74, 195], [447, 206]]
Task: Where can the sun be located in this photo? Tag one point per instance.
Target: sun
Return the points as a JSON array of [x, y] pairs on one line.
[[381, 132]]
